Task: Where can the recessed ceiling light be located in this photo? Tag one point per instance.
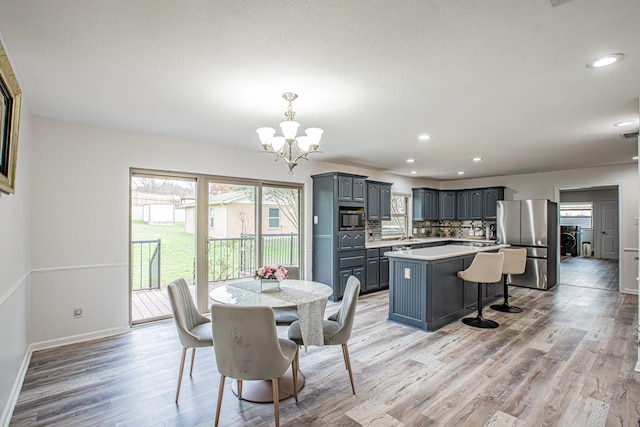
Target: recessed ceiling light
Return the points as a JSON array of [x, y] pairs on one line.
[[411, 160], [414, 172], [461, 173], [605, 60], [477, 159], [634, 158], [625, 123], [424, 137]]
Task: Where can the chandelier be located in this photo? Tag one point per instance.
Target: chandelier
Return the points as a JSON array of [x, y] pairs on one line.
[[289, 147]]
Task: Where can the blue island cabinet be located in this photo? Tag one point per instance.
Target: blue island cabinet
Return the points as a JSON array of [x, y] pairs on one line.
[[428, 294]]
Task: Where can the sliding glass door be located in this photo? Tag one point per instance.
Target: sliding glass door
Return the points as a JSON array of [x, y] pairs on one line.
[[163, 241], [209, 231]]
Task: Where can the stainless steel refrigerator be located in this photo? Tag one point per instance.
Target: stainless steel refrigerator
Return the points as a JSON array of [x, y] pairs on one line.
[[531, 224]]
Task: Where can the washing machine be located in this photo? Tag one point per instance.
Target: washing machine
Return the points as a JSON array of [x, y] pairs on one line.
[[570, 240]]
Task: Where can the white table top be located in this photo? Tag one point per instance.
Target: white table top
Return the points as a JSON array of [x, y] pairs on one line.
[[442, 252], [292, 293], [310, 299]]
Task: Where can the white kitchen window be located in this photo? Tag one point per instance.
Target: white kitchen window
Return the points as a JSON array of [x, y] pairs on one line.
[[577, 213], [398, 225]]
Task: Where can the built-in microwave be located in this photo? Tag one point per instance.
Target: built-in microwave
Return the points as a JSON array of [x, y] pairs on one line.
[[352, 219]]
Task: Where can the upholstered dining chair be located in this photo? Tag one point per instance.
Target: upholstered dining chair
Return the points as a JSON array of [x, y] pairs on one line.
[[485, 268], [193, 328], [285, 316], [248, 348], [515, 262], [337, 328]]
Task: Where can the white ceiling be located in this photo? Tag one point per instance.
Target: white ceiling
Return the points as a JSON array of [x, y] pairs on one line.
[[501, 79]]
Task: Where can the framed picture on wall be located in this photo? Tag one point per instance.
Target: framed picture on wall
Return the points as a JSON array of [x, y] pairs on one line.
[[10, 96]]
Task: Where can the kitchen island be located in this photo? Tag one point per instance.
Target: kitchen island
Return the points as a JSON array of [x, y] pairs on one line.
[[424, 289]]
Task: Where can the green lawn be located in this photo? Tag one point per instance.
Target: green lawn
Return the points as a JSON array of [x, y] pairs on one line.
[[178, 251], [228, 258]]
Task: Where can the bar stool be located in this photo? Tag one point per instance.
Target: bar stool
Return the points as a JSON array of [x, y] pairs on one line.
[[485, 268], [515, 261]]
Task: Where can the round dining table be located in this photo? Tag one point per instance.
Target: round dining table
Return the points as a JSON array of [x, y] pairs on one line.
[[308, 297]]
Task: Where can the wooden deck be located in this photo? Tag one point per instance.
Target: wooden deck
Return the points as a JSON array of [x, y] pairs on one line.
[[153, 304]]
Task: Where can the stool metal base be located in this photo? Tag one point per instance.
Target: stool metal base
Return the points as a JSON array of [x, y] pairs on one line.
[[480, 322], [506, 308]]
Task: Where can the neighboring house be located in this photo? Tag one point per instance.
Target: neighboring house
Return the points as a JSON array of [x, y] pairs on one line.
[[232, 214]]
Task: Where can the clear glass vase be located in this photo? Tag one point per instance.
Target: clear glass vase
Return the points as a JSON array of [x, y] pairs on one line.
[[269, 285]]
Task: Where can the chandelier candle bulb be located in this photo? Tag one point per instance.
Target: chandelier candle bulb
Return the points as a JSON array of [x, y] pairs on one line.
[[288, 147]]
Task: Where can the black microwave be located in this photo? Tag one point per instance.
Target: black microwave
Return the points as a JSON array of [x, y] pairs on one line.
[[352, 219]]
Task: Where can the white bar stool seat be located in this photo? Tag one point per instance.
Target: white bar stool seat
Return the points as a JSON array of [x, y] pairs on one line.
[[485, 268]]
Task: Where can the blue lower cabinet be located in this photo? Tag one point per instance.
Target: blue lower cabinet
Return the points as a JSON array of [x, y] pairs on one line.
[[429, 294]]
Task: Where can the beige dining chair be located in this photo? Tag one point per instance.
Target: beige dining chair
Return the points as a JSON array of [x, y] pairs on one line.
[[485, 268], [337, 328], [193, 328], [515, 262], [248, 348]]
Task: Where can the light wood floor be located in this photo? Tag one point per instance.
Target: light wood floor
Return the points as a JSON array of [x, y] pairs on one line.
[[590, 272], [568, 360]]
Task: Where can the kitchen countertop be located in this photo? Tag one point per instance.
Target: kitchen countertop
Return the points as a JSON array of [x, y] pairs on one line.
[[419, 240], [441, 252]]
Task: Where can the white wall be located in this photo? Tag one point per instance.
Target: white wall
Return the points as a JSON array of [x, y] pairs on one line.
[[80, 220], [14, 273], [548, 185]]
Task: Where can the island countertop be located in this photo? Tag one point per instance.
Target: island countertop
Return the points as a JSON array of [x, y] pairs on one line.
[[420, 240], [442, 252]]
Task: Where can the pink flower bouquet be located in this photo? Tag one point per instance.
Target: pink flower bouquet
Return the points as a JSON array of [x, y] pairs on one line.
[[272, 272]]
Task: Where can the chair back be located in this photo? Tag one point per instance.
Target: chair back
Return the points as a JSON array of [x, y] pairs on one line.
[[185, 313], [515, 260], [246, 342], [485, 268], [347, 312], [293, 271]]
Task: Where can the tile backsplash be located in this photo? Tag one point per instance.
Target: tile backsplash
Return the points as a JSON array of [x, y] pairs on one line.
[[457, 229]]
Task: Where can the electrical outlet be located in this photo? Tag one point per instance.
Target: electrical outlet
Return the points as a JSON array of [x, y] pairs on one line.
[[77, 312], [407, 273]]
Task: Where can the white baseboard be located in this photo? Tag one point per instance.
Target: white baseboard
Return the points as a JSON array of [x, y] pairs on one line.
[[79, 338], [15, 391]]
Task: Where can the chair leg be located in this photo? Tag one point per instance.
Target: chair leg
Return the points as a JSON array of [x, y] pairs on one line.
[[505, 307], [276, 400], [220, 392], [294, 371], [239, 389], [184, 355], [479, 321], [193, 357], [347, 362]]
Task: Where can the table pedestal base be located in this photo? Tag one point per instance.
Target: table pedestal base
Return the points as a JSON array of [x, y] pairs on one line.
[[261, 391]]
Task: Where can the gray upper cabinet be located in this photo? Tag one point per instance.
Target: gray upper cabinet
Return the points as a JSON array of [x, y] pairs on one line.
[[491, 197], [351, 188], [472, 204], [462, 205], [476, 204], [425, 204], [378, 201], [447, 205], [385, 202]]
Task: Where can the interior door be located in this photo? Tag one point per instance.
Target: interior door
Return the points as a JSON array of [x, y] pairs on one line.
[[609, 229]]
